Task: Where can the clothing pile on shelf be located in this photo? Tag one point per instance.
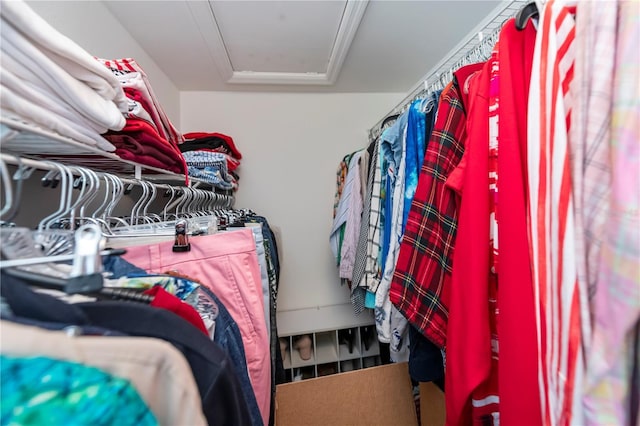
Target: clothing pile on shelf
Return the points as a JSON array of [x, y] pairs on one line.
[[212, 157], [49, 81], [539, 146], [198, 347], [148, 136]]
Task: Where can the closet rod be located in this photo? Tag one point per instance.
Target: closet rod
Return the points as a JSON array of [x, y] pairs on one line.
[[51, 166], [473, 42]]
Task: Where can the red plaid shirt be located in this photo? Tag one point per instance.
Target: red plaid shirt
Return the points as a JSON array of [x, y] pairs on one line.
[[421, 280]]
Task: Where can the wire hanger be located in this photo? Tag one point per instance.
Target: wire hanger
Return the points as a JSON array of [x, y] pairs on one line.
[[85, 275]]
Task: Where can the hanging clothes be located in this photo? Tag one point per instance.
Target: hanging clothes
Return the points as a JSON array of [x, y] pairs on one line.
[[364, 269], [391, 326], [517, 333], [612, 380], [157, 370], [353, 199], [39, 390], [420, 285], [561, 300], [344, 192], [220, 326], [472, 364], [221, 395], [227, 263]]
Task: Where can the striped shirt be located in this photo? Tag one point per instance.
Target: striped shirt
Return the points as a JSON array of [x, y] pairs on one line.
[[561, 302], [358, 288], [373, 268]]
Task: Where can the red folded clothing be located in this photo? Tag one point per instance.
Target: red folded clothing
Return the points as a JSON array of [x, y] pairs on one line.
[[147, 132], [150, 146], [227, 139], [130, 143]]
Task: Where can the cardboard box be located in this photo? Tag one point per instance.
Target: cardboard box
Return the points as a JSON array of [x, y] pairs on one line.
[[432, 408], [371, 396]]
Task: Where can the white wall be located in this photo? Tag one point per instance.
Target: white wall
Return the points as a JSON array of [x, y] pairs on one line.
[[291, 146], [91, 25]]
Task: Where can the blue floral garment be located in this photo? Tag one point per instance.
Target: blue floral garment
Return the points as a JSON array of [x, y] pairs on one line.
[[182, 288], [44, 391]]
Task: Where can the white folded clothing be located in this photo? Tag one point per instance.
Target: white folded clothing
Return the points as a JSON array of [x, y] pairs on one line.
[[81, 97], [129, 65], [39, 96], [78, 62], [13, 104]]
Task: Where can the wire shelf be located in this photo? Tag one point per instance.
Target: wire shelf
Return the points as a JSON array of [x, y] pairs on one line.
[[29, 141], [463, 53]]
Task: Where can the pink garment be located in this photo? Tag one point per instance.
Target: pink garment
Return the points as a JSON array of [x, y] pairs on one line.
[[227, 263]]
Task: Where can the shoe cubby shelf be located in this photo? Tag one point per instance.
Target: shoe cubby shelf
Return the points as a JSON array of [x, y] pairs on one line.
[[329, 352]]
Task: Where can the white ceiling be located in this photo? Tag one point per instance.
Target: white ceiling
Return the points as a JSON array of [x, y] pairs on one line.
[[278, 36], [323, 46]]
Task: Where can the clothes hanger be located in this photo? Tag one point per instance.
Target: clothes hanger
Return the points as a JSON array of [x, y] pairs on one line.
[[44, 222], [88, 187], [110, 188], [61, 241], [95, 185], [155, 218], [388, 120], [84, 276], [22, 173], [8, 189], [528, 11], [172, 193], [153, 232]]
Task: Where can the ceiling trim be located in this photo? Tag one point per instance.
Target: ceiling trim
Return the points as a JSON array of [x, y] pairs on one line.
[[203, 15], [353, 13]]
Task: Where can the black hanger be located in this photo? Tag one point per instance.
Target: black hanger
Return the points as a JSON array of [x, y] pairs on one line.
[[530, 10], [120, 293], [388, 119], [73, 285]]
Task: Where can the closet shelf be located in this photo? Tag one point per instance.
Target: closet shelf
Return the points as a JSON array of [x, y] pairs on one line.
[[330, 353], [29, 141]]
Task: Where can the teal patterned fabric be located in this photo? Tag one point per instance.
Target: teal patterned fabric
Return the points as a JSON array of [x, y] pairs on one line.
[[43, 391]]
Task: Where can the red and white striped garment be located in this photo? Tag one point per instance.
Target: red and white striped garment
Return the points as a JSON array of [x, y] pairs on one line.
[[128, 66], [561, 301]]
